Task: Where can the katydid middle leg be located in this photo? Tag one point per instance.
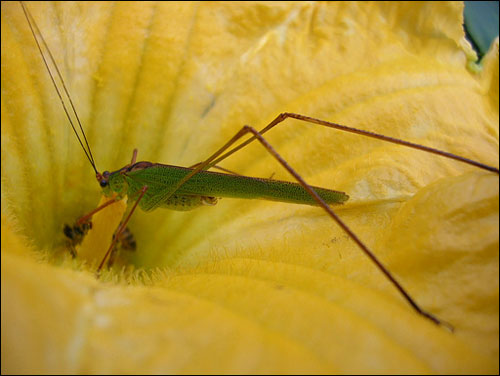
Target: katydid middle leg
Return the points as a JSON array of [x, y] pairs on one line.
[[121, 228]]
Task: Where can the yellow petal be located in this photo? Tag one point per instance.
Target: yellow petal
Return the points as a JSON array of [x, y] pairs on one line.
[[254, 286]]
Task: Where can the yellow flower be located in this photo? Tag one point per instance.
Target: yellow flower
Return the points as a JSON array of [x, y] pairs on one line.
[[251, 286]]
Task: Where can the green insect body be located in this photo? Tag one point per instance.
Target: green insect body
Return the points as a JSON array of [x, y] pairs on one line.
[[204, 187]]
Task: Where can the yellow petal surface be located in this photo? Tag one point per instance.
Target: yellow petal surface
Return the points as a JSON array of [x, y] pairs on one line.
[[253, 286]]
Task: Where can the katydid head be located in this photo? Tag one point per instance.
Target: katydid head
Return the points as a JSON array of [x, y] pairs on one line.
[[111, 182], [108, 184], [103, 180]]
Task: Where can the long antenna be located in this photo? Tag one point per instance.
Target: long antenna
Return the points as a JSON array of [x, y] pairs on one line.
[[32, 23]]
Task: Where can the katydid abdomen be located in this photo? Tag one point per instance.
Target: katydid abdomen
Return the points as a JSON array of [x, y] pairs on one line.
[[161, 179]]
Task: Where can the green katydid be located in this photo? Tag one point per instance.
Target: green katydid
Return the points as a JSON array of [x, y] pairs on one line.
[[153, 185]]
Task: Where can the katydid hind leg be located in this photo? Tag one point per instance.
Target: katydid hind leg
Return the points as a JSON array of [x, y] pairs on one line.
[[217, 168], [307, 119], [256, 135]]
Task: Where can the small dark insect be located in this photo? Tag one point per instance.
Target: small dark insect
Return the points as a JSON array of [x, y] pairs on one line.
[[126, 242], [76, 233]]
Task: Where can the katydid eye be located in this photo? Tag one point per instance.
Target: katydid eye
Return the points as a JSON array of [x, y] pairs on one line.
[[103, 183]]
